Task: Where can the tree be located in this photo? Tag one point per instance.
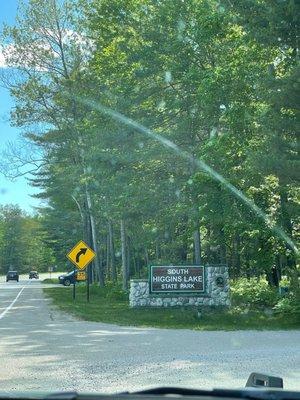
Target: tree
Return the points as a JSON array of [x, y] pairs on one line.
[[199, 74]]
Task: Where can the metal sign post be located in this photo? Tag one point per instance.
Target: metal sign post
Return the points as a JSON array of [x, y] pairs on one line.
[[74, 285], [81, 255], [88, 284], [50, 269]]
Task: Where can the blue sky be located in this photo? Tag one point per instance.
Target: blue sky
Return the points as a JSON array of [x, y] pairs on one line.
[[18, 191]]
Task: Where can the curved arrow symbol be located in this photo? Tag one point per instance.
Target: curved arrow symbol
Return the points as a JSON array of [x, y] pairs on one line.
[[82, 251]]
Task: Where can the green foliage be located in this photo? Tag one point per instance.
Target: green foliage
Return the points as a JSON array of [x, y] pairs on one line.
[[117, 294], [204, 75], [285, 281], [253, 293], [110, 310], [111, 292], [22, 245], [289, 305]]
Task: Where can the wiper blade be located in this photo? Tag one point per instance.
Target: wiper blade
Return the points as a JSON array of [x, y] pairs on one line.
[[168, 390]]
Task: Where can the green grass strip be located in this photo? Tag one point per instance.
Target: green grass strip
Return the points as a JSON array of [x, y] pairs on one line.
[[113, 308]]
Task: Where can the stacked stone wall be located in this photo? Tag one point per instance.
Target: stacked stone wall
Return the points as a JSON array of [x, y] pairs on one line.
[[216, 292]]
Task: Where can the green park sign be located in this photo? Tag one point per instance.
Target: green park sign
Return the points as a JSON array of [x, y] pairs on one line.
[[176, 279]]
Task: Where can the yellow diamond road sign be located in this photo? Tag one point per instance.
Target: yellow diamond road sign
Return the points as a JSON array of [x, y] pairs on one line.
[[81, 255]]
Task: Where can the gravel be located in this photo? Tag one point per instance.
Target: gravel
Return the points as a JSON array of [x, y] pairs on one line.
[[47, 350]]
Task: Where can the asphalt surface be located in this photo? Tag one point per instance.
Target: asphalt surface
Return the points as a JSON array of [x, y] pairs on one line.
[[42, 349]]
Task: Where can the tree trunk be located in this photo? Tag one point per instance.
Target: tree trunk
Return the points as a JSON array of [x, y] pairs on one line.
[[86, 224], [272, 277], [208, 254], [87, 235], [128, 257], [108, 272], [222, 253], [278, 267], [134, 262], [138, 266], [146, 257], [247, 272], [157, 249], [112, 252], [101, 263], [94, 239], [197, 246], [123, 250], [236, 257], [288, 227]]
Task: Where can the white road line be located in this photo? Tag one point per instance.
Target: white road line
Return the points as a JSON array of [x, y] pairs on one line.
[[12, 303]]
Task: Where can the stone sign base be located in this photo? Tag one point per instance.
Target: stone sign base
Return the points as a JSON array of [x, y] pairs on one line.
[[216, 292]]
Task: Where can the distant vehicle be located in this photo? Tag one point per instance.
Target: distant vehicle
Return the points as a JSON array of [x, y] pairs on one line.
[[70, 278], [33, 275], [67, 279], [12, 276]]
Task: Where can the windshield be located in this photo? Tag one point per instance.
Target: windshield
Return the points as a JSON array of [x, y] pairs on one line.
[[149, 194]]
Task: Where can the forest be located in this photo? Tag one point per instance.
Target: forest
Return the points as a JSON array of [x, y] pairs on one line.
[[23, 242], [158, 131]]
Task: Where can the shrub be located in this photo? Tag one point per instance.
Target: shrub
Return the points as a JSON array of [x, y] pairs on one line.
[[289, 304], [285, 281], [253, 293], [117, 294], [114, 291]]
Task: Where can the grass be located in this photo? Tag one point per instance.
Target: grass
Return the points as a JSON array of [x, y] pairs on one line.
[[112, 307], [52, 280]]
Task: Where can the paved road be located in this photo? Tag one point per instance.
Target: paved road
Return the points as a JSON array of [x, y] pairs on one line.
[[42, 349], [42, 275]]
